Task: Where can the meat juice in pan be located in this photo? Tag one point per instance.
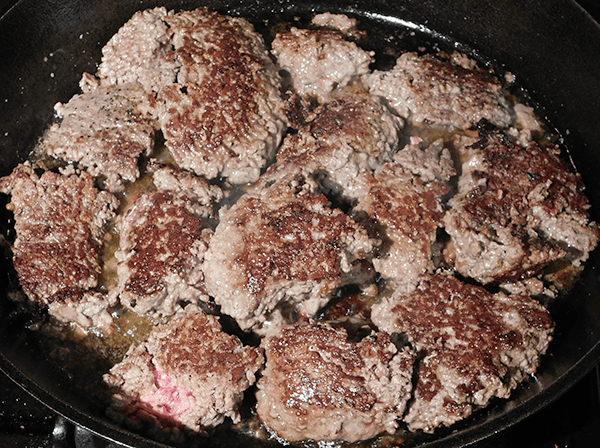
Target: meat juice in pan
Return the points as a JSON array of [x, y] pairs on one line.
[[396, 204]]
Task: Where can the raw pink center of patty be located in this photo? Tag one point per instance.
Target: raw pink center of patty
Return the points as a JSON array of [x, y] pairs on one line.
[[169, 399]]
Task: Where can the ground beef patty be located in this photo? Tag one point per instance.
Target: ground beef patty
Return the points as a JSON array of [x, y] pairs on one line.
[[283, 246], [105, 130], [320, 61], [60, 224], [164, 236], [341, 139], [319, 385], [140, 52], [188, 374], [405, 213], [428, 89], [224, 116], [518, 209], [472, 345], [211, 86]]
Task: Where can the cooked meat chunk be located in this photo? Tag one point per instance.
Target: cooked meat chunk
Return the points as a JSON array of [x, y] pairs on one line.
[[224, 116], [60, 223], [473, 345], [360, 121], [526, 123], [319, 385], [427, 89], [203, 194], [405, 213], [517, 210], [283, 246], [339, 22], [431, 163], [103, 130], [83, 307], [343, 138], [320, 61], [211, 84], [164, 236], [140, 52], [188, 374]]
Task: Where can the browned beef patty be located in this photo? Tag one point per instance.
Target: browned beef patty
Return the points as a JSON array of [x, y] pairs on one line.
[[319, 385], [164, 236], [283, 245], [473, 345], [518, 209], [106, 131], [224, 115], [188, 374], [405, 213], [341, 139], [320, 61], [449, 92], [211, 85], [60, 221]]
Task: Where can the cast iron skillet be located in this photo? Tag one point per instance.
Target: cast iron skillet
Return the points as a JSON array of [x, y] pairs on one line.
[[552, 46]]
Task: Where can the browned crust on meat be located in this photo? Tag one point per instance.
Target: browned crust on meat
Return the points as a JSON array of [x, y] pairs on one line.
[[164, 237], [513, 188], [475, 319], [350, 119], [283, 246], [176, 228], [344, 116], [407, 206], [315, 375], [473, 344], [59, 224], [300, 256], [213, 117], [332, 384], [198, 344], [436, 90], [513, 172], [189, 374], [477, 81], [405, 214]]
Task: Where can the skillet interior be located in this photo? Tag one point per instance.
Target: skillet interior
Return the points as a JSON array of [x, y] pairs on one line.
[[552, 46]]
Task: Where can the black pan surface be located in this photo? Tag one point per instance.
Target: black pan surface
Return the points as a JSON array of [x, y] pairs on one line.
[[552, 46]]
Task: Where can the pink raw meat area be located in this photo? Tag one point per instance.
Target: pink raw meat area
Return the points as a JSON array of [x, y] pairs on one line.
[[169, 399]]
